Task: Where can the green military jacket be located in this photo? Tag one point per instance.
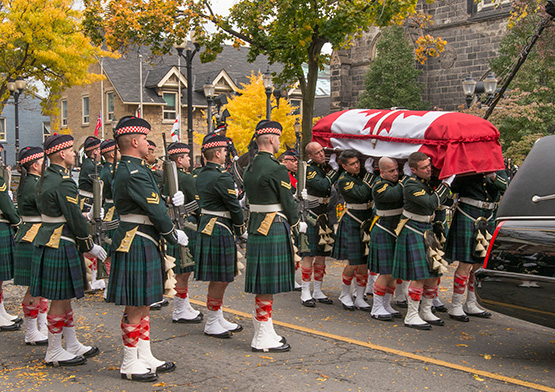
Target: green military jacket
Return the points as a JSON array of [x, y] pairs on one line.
[[420, 198], [59, 198], [354, 190], [87, 169], [7, 208], [319, 179], [216, 191], [388, 195], [186, 184], [107, 178], [481, 187], [135, 192], [267, 182], [158, 178], [27, 207]]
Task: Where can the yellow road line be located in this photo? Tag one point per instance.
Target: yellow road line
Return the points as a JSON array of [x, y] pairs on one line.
[[401, 353]]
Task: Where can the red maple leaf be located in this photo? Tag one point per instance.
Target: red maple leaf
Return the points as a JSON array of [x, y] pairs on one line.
[[388, 117]]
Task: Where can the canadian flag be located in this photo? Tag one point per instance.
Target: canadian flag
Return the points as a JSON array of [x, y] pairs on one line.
[[457, 143], [175, 131]]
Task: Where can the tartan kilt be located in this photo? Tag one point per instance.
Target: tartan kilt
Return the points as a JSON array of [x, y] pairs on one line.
[[382, 246], [314, 237], [348, 245], [173, 251], [461, 235], [409, 262], [136, 276], [22, 266], [58, 274], [270, 263], [215, 256], [6, 252]]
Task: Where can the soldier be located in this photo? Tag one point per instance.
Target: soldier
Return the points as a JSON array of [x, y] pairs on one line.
[[468, 237], [183, 311], [8, 218], [290, 159], [31, 161], [92, 157], [57, 264], [269, 248], [319, 179], [136, 271], [151, 159], [232, 155], [109, 152], [410, 262], [388, 198], [221, 216], [356, 188]]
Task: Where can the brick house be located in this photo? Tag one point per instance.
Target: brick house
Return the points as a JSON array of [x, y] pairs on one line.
[[119, 93], [473, 31]]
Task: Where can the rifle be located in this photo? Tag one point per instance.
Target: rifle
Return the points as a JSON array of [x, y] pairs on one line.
[[304, 206], [178, 214], [98, 226]]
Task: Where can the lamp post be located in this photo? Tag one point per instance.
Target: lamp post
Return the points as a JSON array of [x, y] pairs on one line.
[[16, 88], [473, 89], [189, 55], [297, 128], [209, 94], [268, 86]]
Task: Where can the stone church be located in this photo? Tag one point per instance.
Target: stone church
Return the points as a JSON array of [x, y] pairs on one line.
[[473, 31]]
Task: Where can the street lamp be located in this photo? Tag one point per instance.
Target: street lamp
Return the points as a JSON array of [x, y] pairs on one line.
[[209, 94], [268, 86], [189, 54], [297, 128], [16, 88], [473, 88]]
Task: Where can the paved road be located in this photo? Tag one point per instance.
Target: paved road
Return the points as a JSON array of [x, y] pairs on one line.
[[332, 350]]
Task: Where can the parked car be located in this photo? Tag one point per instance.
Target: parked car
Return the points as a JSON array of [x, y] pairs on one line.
[[518, 276]]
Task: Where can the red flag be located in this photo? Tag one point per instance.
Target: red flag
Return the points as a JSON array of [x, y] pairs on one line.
[[98, 124]]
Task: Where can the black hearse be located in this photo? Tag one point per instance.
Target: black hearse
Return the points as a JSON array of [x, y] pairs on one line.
[[518, 276]]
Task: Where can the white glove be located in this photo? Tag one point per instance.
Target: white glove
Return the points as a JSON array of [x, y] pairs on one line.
[[407, 170], [304, 194], [243, 202], [98, 252], [449, 180], [369, 165], [182, 238], [245, 235], [90, 214], [10, 194], [178, 199], [333, 162], [303, 227], [236, 158], [491, 176]]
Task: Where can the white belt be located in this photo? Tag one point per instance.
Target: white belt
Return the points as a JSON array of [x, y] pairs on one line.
[[361, 206], [136, 218], [397, 211], [63, 237], [477, 203], [52, 219], [419, 218], [144, 235], [221, 214], [265, 207], [321, 200], [86, 194], [31, 219], [109, 201], [4, 220]]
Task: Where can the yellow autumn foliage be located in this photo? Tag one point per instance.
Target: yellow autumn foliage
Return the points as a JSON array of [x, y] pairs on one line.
[[248, 108]]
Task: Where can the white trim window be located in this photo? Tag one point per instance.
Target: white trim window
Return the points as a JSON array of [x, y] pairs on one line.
[[489, 4], [63, 114], [2, 129], [85, 110], [170, 108], [110, 106]]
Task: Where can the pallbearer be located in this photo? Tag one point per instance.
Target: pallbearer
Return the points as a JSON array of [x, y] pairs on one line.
[[136, 272], [31, 161], [57, 271], [270, 258], [351, 243], [221, 219], [183, 311]]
